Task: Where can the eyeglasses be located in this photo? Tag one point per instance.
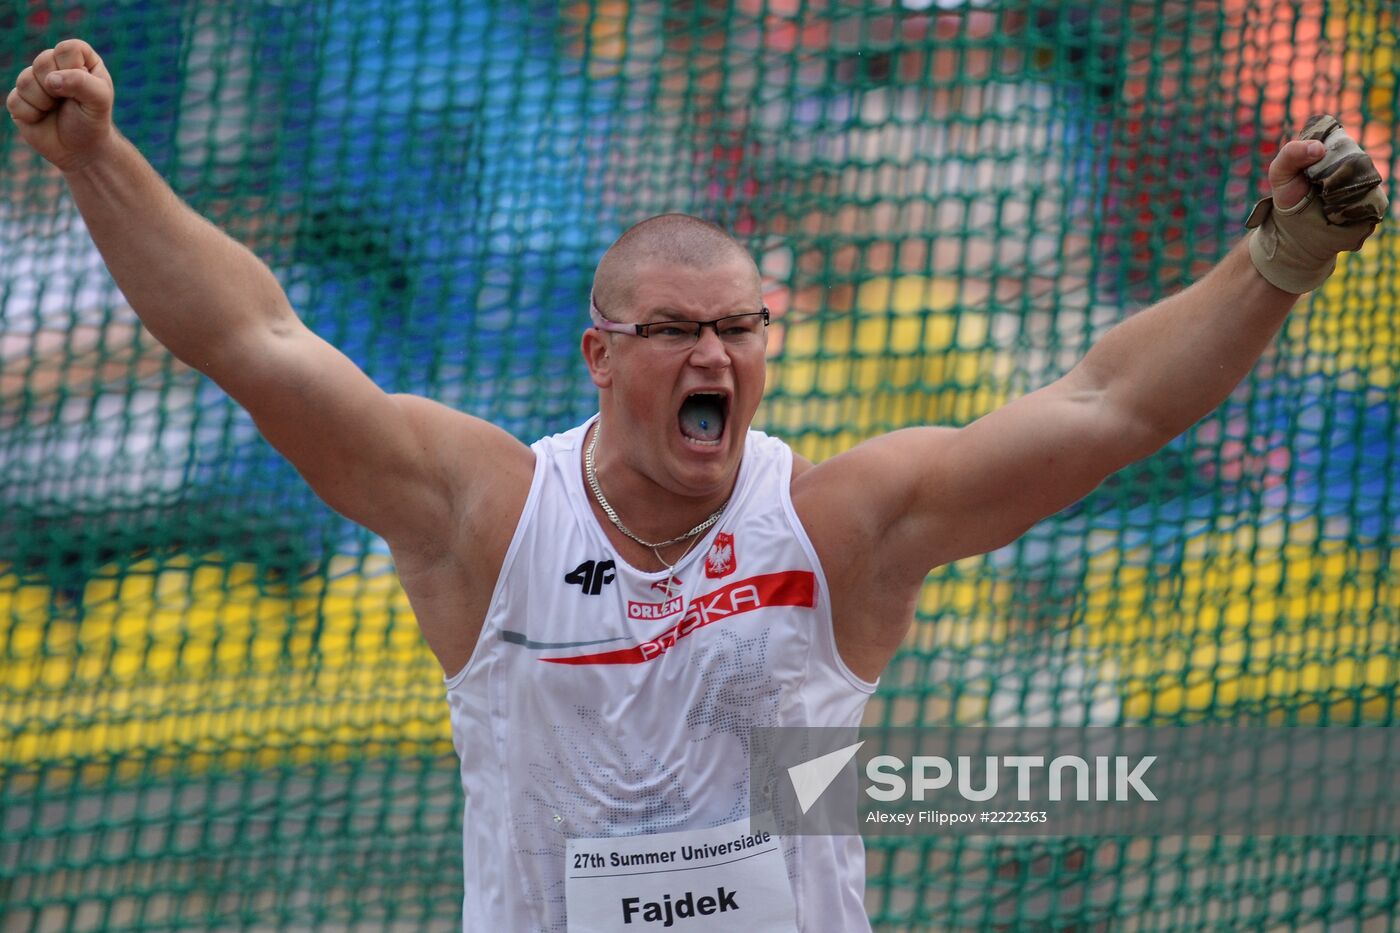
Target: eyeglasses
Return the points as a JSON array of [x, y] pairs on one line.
[[735, 330]]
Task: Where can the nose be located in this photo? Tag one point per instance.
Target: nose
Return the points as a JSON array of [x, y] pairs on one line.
[[709, 351]]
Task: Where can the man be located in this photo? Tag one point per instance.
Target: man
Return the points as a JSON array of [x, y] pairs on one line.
[[615, 607]]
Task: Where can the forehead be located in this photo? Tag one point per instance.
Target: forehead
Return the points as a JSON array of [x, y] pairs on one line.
[[729, 286]]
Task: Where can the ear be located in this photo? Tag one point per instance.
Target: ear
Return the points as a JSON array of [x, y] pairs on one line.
[[595, 354]]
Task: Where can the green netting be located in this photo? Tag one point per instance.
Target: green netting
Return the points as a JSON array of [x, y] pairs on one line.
[[214, 709]]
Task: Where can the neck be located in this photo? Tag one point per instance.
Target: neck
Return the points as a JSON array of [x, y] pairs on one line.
[[645, 508]]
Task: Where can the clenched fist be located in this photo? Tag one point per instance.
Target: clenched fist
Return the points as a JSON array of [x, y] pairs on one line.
[[1327, 199], [62, 104], [1346, 178]]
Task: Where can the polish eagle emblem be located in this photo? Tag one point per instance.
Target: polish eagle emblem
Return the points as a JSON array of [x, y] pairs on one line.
[[721, 561]]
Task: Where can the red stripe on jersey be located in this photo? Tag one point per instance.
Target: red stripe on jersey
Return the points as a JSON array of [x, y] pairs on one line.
[[787, 588]]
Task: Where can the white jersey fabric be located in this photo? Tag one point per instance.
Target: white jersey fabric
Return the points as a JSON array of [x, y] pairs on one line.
[[597, 705]]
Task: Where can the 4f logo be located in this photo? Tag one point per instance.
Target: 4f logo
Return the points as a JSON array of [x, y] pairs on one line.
[[592, 575]]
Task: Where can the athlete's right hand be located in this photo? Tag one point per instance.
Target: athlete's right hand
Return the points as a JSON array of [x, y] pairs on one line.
[[62, 104]]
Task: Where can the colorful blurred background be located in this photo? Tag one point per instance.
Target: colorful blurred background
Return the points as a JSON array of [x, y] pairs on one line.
[[215, 710]]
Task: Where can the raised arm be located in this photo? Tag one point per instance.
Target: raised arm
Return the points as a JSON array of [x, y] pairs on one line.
[[1144, 382], [902, 504], [396, 464]]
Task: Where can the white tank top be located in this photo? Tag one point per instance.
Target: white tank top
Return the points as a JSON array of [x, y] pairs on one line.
[[603, 701]]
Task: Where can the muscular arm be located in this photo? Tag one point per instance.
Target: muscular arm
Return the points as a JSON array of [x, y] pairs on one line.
[[918, 498], [1147, 380], [219, 309], [897, 506], [392, 463]]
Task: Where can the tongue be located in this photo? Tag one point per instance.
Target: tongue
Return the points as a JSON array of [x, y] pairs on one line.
[[702, 417]]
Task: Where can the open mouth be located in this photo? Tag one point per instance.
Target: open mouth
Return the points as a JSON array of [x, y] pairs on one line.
[[702, 417]]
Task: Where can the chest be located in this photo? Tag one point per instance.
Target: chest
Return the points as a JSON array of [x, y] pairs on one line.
[[573, 618]]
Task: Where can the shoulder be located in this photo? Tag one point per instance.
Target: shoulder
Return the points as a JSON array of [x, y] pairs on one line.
[[850, 503], [849, 506], [485, 470]]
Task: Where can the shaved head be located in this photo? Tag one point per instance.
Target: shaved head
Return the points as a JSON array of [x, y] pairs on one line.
[[667, 239]]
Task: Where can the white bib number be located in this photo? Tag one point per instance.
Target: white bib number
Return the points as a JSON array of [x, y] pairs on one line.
[[725, 878]]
